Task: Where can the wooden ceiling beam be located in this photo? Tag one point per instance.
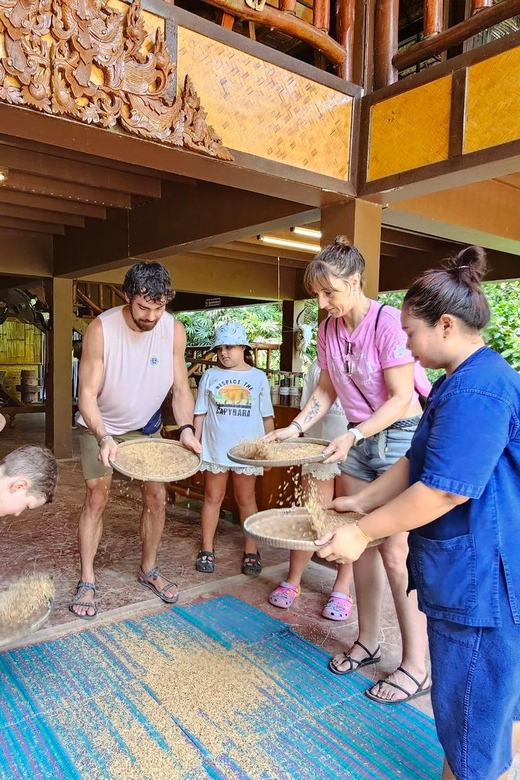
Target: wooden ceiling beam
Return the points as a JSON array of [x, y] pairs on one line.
[[91, 159], [255, 247], [399, 274], [40, 215], [27, 182], [248, 173], [399, 238], [184, 219], [55, 167], [31, 226], [29, 200], [255, 257], [211, 254]]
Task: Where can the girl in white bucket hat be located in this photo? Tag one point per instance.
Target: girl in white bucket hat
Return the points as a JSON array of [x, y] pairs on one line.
[[233, 404]]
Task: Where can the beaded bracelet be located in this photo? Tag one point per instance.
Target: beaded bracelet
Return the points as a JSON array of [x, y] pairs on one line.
[[104, 438]]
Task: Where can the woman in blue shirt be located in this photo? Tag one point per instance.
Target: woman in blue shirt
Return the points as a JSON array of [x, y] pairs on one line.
[[457, 491]]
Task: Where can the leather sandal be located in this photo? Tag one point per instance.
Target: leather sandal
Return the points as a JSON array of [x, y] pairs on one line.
[[154, 574], [81, 589], [341, 658]]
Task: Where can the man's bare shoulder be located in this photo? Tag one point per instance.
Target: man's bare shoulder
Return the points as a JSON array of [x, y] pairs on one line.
[[93, 337], [178, 328]]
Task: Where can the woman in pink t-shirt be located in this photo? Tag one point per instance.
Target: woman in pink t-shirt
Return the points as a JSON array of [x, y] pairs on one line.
[[364, 363]]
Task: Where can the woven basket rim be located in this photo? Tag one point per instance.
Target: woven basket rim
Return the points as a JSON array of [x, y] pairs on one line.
[[232, 454], [11, 634], [285, 542], [175, 477]]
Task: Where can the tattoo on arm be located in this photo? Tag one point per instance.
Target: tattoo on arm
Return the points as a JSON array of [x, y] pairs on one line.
[[313, 411]]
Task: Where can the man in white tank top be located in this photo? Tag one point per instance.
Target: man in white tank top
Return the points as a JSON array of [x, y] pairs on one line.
[[132, 355]]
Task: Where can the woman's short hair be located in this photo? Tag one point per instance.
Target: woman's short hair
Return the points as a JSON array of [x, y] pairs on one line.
[[453, 289], [339, 260], [35, 464], [150, 280]]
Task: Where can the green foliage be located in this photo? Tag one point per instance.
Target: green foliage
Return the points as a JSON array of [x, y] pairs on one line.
[[263, 322], [503, 332]]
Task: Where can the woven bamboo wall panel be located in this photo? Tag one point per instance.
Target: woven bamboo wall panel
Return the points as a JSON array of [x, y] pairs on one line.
[[20, 343], [264, 110], [493, 102], [410, 130]]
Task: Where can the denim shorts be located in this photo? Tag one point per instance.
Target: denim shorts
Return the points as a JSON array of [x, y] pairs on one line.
[[476, 693], [376, 454]]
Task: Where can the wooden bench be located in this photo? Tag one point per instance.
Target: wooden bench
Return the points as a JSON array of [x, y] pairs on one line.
[[11, 411]]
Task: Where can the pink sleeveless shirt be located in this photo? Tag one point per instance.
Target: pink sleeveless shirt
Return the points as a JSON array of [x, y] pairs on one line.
[[137, 371]]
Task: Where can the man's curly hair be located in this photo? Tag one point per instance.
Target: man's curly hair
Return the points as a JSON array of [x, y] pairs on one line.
[[150, 280]]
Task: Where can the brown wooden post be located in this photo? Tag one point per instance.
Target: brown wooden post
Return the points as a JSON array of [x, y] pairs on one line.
[[289, 6], [433, 17], [345, 18], [58, 403], [478, 5], [386, 42], [360, 221], [321, 18], [289, 360]]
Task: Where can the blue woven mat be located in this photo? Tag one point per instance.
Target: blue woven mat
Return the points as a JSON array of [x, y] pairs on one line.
[[214, 690]]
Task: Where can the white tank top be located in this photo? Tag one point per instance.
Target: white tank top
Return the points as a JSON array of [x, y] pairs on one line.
[[137, 371]]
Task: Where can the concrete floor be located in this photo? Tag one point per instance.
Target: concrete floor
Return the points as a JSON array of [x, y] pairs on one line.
[[44, 540]]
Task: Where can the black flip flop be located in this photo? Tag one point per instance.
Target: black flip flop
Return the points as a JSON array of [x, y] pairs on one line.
[[371, 658], [420, 691]]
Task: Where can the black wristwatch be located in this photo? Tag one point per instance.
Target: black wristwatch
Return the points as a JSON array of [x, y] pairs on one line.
[[183, 428]]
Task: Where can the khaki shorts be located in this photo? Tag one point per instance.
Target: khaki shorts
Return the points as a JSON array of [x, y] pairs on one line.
[[91, 465]]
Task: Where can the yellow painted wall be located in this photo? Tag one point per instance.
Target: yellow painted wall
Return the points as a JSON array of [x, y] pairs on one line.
[[264, 110], [410, 129], [493, 102]]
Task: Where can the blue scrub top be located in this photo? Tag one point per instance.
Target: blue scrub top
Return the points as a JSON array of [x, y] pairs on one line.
[[468, 443]]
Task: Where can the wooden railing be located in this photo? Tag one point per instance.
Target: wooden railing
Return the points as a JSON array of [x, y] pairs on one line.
[[338, 50], [198, 359], [436, 38], [95, 298]]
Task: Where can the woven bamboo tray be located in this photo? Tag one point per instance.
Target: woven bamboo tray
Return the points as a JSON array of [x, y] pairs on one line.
[[10, 634], [176, 463], [290, 528], [234, 453]]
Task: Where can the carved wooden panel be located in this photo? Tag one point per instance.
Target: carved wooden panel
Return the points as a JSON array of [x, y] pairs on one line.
[[88, 61]]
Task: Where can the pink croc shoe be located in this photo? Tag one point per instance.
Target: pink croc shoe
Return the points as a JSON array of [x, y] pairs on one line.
[[338, 607], [284, 595]]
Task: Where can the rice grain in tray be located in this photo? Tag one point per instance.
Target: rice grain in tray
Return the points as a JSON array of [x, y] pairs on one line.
[[25, 606], [294, 528], [156, 460], [279, 453]]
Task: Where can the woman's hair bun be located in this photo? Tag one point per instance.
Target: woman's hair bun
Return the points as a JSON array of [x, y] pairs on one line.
[[343, 241], [469, 264]]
